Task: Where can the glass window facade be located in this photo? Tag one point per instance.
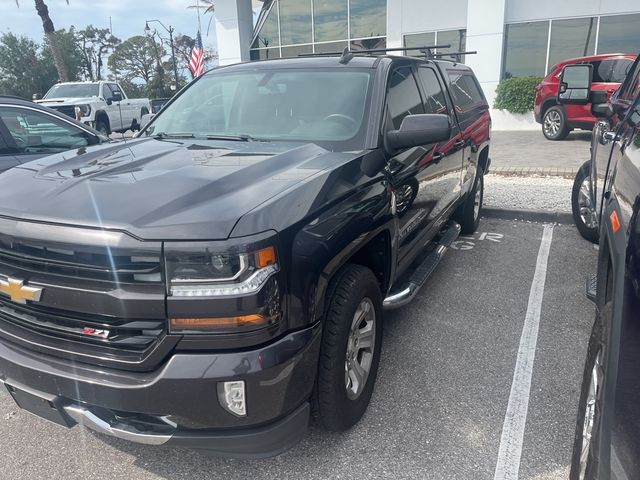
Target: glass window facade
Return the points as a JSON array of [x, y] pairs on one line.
[[619, 34], [293, 27], [456, 38], [331, 20], [525, 51], [572, 38], [534, 48]]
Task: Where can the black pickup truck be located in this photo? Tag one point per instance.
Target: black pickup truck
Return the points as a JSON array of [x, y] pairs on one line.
[[607, 440], [215, 281]]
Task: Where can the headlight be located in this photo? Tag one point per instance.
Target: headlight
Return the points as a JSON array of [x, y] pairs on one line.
[[244, 283], [82, 111], [209, 273]]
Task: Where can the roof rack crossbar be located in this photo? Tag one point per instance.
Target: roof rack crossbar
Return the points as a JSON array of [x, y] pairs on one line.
[[427, 52], [456, 55]]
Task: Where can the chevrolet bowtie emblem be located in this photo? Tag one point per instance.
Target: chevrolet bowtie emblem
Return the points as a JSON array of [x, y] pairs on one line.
[[19, 292]]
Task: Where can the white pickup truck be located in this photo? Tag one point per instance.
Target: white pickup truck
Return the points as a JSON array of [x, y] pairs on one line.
[[102, 105]]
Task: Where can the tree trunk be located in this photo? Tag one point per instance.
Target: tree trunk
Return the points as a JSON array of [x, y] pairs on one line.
[[50, 32]]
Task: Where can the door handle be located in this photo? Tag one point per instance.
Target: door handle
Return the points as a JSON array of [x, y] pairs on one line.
[[459, 144], [437, 157]]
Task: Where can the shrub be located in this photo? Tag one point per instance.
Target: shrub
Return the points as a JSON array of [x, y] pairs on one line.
[[516, 95]]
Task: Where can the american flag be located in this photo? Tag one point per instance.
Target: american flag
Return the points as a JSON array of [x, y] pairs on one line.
[[196, 65]]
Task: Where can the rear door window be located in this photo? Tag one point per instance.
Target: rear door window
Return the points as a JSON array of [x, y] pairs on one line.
[[610, 71], [435, 101]]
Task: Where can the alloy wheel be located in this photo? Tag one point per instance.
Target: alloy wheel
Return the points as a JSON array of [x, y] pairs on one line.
[[360, 348], [552, 123], [585, 205]]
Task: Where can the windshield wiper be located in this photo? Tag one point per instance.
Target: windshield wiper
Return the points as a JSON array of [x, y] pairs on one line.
[[241, 137], [162, 135]]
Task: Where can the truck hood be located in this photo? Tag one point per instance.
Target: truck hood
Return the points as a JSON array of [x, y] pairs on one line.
[[159, 189], [52, 102]]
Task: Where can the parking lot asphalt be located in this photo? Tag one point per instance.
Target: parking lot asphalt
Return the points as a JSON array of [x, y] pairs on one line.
[[443, 389]]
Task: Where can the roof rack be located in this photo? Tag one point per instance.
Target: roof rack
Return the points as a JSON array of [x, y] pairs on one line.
[[456, 55], [347, 55]]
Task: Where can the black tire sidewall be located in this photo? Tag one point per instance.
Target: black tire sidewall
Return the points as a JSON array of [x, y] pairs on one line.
[[564, 128], [590, 234], [332, 408], [101, 123], [465, 215], [598, 342]]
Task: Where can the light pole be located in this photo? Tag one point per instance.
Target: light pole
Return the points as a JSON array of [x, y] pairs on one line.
[[173, 50]]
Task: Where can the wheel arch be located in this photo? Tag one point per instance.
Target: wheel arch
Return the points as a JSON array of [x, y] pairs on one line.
[[101, 116]]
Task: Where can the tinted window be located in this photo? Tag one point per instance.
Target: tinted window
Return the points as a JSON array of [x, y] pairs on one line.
[[619, 34], [572, 38], [525, 49], [295, 22], [269, 36], [456, 38], [330, 19], [36, 132], [368, 18], [631, 85], [465, 91], [419, 40], [403, 97], [620, 70], [434, 101], [4, 148]]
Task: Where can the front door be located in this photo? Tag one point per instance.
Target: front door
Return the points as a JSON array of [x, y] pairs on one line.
[[424, 177]]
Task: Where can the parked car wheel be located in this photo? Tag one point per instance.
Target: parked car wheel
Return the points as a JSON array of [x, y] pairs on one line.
[[584, 463], [102, 127], [554, 124], [468, 214], [585, 215], [350, 349]]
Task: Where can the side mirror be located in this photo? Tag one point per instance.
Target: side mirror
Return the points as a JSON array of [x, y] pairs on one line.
[[35, 97], [418, 130], [146, 119], [109, 101], [575, 84]]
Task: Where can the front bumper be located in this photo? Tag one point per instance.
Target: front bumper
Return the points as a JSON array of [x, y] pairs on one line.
[[178, 403]]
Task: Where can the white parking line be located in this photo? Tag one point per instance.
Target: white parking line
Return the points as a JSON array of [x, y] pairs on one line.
[[508, 464]]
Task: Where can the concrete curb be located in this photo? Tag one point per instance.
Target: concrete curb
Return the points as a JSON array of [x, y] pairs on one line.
[[534, 172], [528, 215]]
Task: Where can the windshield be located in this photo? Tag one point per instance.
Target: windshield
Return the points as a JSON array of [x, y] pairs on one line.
[[77, 90], [294, 105]]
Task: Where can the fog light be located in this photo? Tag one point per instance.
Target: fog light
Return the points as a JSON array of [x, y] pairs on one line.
[[232, 398]]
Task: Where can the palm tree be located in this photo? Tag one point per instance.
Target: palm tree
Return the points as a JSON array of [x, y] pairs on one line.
[[209, 8], [50, 32]]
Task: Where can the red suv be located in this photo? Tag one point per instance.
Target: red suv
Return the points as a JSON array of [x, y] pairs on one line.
[[558, 120]]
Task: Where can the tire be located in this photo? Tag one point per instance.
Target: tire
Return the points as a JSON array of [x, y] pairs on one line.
[[103, 127], [584, 215], [468, 214], [338, 403], [554, 124], [584, 461]]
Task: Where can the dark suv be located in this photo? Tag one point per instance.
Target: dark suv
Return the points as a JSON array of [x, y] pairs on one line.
[[558, 120], [607, 440], [213, 282]]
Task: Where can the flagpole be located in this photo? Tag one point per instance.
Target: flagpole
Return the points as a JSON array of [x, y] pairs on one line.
[[199, 21]]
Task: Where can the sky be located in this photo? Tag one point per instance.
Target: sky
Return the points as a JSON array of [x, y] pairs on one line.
[[127, 17]]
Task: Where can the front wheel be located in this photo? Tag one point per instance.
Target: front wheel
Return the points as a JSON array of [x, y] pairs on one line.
[[585, 458], [350, 349], [583, 207]]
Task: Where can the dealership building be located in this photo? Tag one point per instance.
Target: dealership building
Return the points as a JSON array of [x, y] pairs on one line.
[[512, 37]]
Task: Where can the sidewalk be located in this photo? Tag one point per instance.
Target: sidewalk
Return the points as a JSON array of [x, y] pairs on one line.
[[523, 153]]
